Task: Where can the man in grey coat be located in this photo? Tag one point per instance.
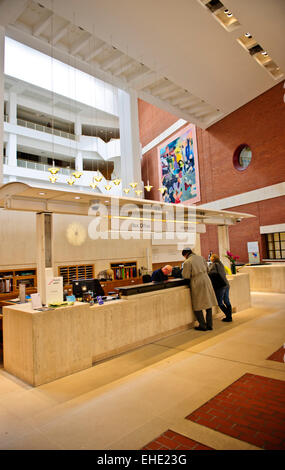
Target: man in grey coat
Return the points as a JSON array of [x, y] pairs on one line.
[[202, 293]]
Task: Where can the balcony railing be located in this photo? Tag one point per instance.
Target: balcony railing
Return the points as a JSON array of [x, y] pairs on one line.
[[40, 166], [39, 127]]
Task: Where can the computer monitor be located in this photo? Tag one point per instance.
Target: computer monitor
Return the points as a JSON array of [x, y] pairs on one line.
[[81, 286]]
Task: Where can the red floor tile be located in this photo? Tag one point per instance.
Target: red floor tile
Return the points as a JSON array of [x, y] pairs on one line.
[[171, 440], [278, 355], [252, 409]]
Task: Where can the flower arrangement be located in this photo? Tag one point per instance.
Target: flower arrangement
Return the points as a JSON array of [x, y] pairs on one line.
[[232, 257]]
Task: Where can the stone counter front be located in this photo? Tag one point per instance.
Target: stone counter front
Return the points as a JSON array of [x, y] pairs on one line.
[[40, 347], [264, 278]]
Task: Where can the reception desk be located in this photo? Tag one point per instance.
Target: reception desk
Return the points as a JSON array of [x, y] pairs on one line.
[[266, 278], [40, 347]]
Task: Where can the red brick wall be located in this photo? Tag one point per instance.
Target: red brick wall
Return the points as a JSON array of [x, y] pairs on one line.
[[259, 124], [152, 121]]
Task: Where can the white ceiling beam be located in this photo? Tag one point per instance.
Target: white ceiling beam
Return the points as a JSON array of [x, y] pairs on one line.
[[83, 41], [138, 74], [144, 80], [116, 57], [206, 112], [43, 23], [172, 94], [124, 68], [162, 87], [11, 10], [180, 96], [189, 103], [198, 107], [95, 52], [60, 33], [181, 100], [165, 93]]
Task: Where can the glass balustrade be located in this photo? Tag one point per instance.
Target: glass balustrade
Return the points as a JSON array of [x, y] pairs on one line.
[[40, 166], [41, 128]]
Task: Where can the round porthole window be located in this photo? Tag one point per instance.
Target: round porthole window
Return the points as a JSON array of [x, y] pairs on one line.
[[242, 157]]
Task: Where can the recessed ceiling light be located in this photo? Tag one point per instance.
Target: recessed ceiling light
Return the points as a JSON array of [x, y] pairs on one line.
[[77, 197], [226, 11], [42, 194], [264, 53], [248, 35], [229, 14]]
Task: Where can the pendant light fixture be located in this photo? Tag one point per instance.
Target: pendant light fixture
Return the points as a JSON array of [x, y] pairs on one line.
[[70, 181], [116, 181], [53, 170], [77, 174], [93, 185], [52, 178], [148, 187], [133, 185], [162, 189], [98, 177], [138, 192], [126, 190]]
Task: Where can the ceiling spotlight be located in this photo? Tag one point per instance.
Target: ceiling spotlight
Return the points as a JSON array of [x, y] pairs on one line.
[[229, 14], [264, 53], [77, 197], [248, 35], [42, 194], [226, 11]]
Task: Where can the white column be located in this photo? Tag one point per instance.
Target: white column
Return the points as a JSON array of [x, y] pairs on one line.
[[224, 243], [12, 138], [44, 251], [12, 108], [197, 247], [79, 161], [2, 48], [78, 127], [129, 137], [11, 150]]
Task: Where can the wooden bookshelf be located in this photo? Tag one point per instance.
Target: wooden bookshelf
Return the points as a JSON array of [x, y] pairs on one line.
[[10, 279], [125, 270]]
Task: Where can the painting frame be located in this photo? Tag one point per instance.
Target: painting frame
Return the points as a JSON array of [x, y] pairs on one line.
[[183, 182]]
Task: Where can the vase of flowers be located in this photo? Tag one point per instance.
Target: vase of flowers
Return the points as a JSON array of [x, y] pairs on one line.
[[232, 258]]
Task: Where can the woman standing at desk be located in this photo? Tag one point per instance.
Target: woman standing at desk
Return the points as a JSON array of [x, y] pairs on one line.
[[202, 292]]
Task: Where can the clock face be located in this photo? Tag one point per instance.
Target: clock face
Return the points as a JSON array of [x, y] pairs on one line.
[[76, 234]]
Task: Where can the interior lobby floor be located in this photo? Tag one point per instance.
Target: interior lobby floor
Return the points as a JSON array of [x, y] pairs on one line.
[[193, 390]]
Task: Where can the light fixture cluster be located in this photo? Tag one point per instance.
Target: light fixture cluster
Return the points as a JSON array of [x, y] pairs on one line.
[[98, 178], [222, 14], [249, 43], [227, 19]]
